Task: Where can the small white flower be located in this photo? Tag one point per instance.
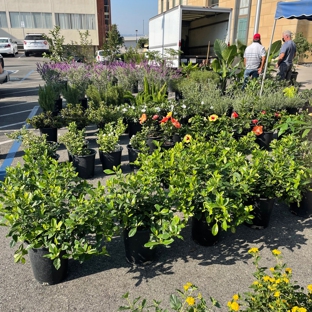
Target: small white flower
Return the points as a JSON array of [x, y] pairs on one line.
[[133, 107], [143, 110], [157, 109], [183, 106], [211, 107], [124, 110], [202, 103]]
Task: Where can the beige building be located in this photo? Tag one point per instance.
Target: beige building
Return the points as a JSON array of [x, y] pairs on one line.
[[244, 19], [19, 17]]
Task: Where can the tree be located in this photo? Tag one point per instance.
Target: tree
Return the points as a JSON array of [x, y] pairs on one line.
[[56, 45], [303, 46], [114, 41], [142, 42]]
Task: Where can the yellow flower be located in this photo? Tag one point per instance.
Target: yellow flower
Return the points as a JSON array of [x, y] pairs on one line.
[[276, 252], [310, 114], [272, 269], [288, 270], [199, 296], [277, 294], [190, 301], [213, 117], [297, 309], [302, 310], [235, 297], [187, 138], [309, 288], [253, 250], [233, 306], [286, 280], [187, 286], [266, 278], [255, 283], [169, 114]]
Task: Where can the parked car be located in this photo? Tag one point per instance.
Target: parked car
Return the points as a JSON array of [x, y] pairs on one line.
[[100, 58], [4, 75], [8, 46], [35, 43]]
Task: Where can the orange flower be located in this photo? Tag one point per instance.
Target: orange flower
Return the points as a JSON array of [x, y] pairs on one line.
[[143, 118], [175, 123], [257, 130]]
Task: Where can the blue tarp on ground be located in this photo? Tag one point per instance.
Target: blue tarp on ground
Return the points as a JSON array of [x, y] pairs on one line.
[[294, 10]]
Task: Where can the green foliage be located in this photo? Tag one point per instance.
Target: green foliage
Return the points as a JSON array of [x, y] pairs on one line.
[[75, 140], [187, 69], [112, 43], [303, 47], [75, 113], [142, 42], [108, 137], [56, 45], [46, 120], [133, 55], [37, 145], [47, 97], [45, 204]]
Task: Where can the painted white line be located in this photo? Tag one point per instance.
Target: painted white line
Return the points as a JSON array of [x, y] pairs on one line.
[[8, 93], [18, 104], [16, 113], [25, 77], [5, 142], [10, 125]]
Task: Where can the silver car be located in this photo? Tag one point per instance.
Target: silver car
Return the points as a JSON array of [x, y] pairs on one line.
[[8, 46], [4, 75]]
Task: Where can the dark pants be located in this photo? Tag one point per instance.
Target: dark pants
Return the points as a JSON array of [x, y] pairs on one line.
[[285, 71], [253, 73]]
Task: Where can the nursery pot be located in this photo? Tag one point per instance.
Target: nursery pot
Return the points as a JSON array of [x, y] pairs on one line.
[[150, 143], [51, 133], [201, 232], [133, 128], [304, 209], [133, 155], [264, 140], [136, 253], [262, 209], [85, 164], [109, 160], [43, 268], [84, 103], [58, 104]]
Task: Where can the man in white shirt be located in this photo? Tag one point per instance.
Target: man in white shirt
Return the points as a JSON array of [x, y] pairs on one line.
[[254, 59]]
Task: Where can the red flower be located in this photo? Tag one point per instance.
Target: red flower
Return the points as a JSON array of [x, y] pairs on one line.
[[234, 115], [255, 121], [257, 130], [155, 117], [277, 115], [165, 119], [263, 112]]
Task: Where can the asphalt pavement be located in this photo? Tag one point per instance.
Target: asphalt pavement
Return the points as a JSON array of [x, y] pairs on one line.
[[219, 271]]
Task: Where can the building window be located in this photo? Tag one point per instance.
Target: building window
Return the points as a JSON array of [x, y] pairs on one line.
[[213, 3], [31, 19], [75, 21], [3, 20], [243, 18]]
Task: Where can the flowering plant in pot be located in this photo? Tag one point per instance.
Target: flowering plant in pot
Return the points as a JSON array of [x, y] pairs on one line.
[[240, 122], [170, 128], [47, 206]]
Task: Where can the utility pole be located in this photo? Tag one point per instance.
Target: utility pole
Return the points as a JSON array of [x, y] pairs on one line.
[[136, 36]]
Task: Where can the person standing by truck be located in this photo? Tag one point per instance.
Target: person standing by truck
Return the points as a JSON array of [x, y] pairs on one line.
[[286, 56], [254, 59]]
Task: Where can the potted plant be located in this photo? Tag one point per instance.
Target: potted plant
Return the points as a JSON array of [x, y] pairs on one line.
[[82, 156], [75, 113], [47, 98], [37, 145], [107, 140], [52, 214], [47, 123], [137, 144]]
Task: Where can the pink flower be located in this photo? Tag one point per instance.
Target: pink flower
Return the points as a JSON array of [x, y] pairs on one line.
[[255, 121]]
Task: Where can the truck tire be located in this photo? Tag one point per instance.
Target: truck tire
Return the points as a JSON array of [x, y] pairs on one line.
[[27, 54]]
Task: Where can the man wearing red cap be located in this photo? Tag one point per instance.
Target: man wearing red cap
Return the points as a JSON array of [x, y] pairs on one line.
[[254, 59]]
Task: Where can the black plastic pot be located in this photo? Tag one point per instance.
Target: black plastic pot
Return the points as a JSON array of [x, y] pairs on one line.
[[133, 128], [109, 160], [51, 133], [132, 155], [85, 164], [201, 232], [136, 253], [58, 104], [262, 209], [304, 209], [43, 268], [264, 140]]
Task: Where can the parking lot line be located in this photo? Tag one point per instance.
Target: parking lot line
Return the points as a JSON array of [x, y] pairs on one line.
[[14, 148]]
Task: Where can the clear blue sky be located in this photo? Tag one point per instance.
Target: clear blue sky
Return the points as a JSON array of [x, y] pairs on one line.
[[130, 14]]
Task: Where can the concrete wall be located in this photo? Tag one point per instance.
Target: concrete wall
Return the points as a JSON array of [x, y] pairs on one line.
[[49, 6]]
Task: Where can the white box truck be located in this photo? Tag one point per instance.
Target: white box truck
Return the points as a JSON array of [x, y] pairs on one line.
[[191, 30]]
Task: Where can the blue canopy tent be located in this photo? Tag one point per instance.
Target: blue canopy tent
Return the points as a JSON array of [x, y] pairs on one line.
[[301, 9]]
